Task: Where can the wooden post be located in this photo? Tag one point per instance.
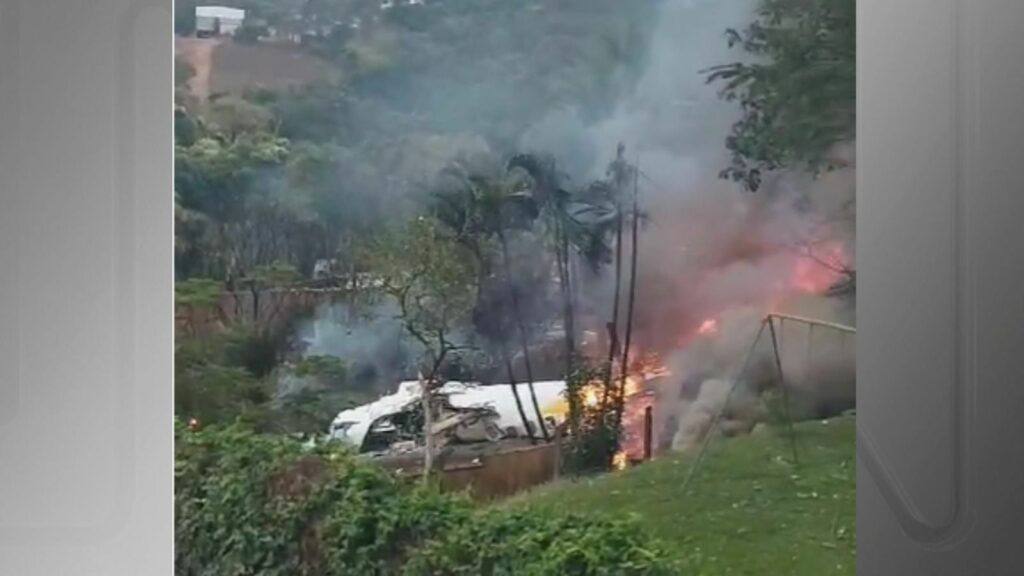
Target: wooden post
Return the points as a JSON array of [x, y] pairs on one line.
[[428, 423], [557, 453], [648, 431]]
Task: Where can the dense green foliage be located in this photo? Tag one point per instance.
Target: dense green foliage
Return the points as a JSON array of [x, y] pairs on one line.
[[315, 167], [236, 376], [797, 92], [521, 543], [253, 504], [595, 433]]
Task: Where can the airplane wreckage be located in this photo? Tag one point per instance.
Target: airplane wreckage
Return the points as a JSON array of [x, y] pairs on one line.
[[467, 414]]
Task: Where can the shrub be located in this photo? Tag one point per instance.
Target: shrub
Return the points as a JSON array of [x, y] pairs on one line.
[[529, 543], [254, 504], [247, 504], [594, 431]]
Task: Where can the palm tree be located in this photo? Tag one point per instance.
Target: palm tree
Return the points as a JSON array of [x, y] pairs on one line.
[[481, 207], [618, 174], [577, 219], [484, 206]]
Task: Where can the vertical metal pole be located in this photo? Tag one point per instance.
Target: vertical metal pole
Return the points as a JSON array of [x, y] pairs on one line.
[[810, 351], [782, 387]]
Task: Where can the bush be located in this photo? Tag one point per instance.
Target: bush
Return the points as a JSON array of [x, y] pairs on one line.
[[256, 504], [528, 543], [595, 433]]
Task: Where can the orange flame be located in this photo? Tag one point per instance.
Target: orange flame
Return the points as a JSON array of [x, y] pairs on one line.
[[635, 398], [817, 271], [619, 461]]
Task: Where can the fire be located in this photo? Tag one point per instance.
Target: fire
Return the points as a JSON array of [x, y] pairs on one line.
[[620, 460], [637, 397], [632, 386], [819, 269]]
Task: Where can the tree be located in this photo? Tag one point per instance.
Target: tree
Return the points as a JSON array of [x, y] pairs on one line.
[[319, 388], [219, 378], [481, 205], [197, 296], [619, 175], [268, 277], [573, 221], [431, 278], [797, 92]]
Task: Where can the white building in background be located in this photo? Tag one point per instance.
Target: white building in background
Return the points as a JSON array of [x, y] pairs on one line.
[[218, 20]]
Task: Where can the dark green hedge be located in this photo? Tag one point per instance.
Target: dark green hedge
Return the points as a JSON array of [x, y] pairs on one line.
[[249, 504]]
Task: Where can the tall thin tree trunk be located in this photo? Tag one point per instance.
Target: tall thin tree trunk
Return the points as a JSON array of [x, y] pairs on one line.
[[574, 284], [565, 276], [522, 335], [352, 278], [613, 335], [515, 394], [255, 302], [632, 298], [428, 423]]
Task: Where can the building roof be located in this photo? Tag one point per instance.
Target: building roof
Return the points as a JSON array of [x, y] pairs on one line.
[[220, 12]]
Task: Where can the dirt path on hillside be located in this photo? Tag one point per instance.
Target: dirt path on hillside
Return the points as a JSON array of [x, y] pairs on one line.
[[198, 52]]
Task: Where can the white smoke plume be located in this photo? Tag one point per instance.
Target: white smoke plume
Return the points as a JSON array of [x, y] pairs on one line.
[[712, 252]]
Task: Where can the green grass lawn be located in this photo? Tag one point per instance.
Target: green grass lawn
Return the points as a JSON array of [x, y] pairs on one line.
[[748, 510]]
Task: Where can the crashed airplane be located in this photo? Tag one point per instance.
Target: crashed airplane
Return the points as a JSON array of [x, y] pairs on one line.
[[469, 413]]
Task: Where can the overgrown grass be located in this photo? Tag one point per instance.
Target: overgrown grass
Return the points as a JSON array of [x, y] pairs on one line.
[[747, 511]]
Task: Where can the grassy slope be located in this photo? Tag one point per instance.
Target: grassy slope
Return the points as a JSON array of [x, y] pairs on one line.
[[747, 511]]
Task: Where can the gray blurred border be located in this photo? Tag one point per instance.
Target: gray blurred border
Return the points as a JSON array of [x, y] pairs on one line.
[[85, 254], [10, 391], [87, 314], [940, 307]]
